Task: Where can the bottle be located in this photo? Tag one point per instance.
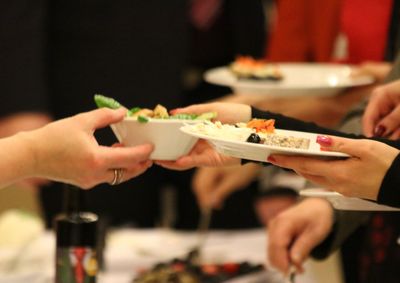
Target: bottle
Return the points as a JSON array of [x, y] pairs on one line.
[[76, 241]]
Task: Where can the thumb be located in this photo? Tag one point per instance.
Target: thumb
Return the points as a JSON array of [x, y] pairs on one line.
[[103, 117], [302, 247], [192, 109], [352, 147]]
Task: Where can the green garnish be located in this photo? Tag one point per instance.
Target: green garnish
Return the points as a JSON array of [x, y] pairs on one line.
[[142, 119], [104, 101], [133, 111], [207, 116], [184, 116]]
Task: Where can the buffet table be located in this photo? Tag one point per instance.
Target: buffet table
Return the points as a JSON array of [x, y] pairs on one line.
[[130, 250]]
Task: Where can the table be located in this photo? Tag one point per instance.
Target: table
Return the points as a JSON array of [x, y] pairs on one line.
[[128, 250]]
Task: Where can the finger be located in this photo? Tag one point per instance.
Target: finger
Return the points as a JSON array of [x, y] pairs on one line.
[[175, 165], [204, 183], [193, 109], [226, 187], [318, 180], [137, 170], [303, 245], [353, 147], [305, 165], [377, 107], [390, 122], [395, 135], [383, 100], [279, 238], [118, 157], [128, 173], [103, 117]]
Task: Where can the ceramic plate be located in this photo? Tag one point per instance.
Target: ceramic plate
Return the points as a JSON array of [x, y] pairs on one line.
[[260, 152], [341, 202], [298, 79]]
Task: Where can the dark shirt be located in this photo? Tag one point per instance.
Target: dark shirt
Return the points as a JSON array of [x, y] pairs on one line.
[[389, 193]]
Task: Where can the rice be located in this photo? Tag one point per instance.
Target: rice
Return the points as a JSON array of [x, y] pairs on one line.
[[240, 132]]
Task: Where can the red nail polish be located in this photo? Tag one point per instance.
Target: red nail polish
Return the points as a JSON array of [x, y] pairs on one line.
[[271, 159], [379, 131], [324, 140]]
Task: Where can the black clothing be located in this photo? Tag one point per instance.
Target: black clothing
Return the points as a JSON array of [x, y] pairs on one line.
[[389, 193]]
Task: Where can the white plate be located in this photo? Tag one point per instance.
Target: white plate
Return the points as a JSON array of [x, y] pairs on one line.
[[298, 79], [260, 152], [341, 202]]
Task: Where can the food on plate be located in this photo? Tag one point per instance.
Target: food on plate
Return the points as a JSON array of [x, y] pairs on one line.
[[189, 271], [258, 131], [143, 114], [246, 67]]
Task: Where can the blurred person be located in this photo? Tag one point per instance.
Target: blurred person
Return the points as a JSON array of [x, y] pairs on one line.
[[371, 259], [315, 31]]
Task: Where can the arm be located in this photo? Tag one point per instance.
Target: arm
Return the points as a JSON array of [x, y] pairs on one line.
[[67, 151]]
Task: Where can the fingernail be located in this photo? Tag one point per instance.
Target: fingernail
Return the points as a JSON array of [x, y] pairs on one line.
[[271, 159], [324, 140], [379, 130], [296, 257]]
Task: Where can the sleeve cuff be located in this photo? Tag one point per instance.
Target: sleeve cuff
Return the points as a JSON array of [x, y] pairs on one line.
[[389, 192]]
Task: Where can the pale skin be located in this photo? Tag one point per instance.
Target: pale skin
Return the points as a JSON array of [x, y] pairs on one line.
[[360, 175], [382, 116], [67, 151], [293, 233], [203, 155], [212, 187]]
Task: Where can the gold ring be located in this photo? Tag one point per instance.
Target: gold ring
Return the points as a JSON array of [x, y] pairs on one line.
[[118, 176]]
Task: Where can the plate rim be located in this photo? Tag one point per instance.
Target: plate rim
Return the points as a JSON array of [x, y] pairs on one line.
[[265, 85]]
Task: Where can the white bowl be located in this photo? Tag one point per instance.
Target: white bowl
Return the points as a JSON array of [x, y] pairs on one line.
[[169, 142]]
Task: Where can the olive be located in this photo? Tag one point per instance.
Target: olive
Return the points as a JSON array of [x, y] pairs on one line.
[[254, 138]]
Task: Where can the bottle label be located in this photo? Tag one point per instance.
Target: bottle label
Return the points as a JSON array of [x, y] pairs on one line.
[[76, 265]]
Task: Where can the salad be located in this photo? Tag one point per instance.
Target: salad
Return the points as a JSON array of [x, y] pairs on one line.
[[144, 114]]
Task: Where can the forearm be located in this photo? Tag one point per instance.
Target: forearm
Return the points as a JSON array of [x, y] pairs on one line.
[[287, 123], [16, 159]]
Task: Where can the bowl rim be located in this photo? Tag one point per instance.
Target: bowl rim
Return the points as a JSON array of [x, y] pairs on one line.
[[162, 121]]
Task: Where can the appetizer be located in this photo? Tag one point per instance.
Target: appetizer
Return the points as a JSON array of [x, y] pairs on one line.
[[189, 271], [259, 131], [246, 67], [143, 114]]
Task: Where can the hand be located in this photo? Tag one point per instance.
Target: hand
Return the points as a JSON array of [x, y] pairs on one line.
[[357, 176], [296, 231], [378, 70], [226, 112], [382, 115], [67, 151], [202, 155], [213, 185], [268, 208]]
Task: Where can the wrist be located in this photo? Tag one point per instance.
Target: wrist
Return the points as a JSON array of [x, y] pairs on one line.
[[26, 163], [29, 152]]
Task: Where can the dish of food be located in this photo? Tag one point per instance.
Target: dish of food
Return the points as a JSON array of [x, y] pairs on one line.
[[253, 142], [155, 126], [144, 115], [296, 79], [187, 270], [342, 202], [248, 68]]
